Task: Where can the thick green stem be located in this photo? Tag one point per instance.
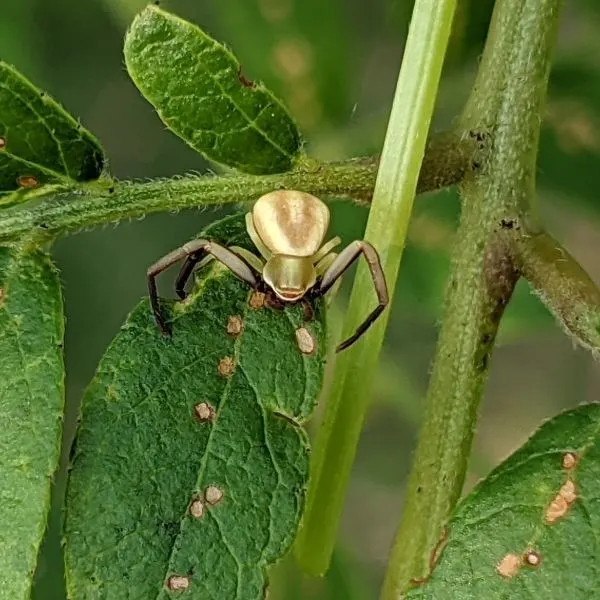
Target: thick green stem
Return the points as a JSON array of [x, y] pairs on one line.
[[507, 101], [352, 381], [449, 156]]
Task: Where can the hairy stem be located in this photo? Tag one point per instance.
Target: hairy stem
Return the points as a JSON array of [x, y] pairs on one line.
[[387, 226], [564, 287], [449, 156], [507, 101]]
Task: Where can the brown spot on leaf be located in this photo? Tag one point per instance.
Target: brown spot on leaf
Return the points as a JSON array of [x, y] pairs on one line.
[[213, 495], [569, 460], [27, 181], [257, 300], [561, 502], [2, 143], [178, 583], [509, 565], [197, 508], [204, 412], [226, 366], [235, 325], [305, 340], [532, 558]]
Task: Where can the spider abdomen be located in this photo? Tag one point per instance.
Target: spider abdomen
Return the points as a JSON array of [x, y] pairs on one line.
[[291, 223]]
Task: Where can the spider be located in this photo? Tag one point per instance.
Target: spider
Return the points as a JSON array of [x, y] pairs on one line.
[[288, 228]]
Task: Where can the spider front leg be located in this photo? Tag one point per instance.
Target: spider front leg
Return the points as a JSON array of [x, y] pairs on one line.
[[195, 251], [337, 268], [194, 259]]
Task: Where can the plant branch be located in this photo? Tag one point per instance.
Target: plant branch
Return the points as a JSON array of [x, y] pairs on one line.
[[507, 100], [564, 287], [352, 381], [450, 155]]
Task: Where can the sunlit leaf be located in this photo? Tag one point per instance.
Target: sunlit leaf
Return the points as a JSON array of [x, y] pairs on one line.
[[197, 88], [530, 529], [31, 405], [191, 465]]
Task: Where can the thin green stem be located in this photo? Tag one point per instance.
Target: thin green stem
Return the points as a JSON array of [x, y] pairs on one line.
[[507, 100], [564, 286], [449, 156], [386, 228]]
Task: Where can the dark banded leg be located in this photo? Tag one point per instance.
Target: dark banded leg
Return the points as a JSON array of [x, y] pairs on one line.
[[197, 249], [338, 267]]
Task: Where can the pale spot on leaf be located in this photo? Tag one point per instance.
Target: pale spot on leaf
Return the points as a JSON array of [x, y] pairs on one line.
[[532, 558], [204, 412], [305, 341], [226, 366], [197, 509], [257, 300], [569, 460], [213, 495], [235, 325], [509, 565], [560, 503], [178, 583]]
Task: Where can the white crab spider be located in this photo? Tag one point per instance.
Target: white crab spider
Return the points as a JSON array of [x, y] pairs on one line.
[[288, 228]]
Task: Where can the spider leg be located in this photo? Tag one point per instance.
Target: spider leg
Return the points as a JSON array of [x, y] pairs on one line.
[[327, 248], [198, 249], [194, 259], [321, 268], [337, 268], [264, 251], [184, 275]]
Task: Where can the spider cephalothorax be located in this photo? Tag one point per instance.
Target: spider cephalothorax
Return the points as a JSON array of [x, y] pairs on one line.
[[288, 229]]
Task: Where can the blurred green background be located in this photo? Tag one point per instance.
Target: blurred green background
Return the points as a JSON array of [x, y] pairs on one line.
[[334, 63]]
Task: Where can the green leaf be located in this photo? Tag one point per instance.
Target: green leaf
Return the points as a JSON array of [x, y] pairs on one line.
[[196, 86], [40, 143], [144, 463], [530, 529], [31, 407]]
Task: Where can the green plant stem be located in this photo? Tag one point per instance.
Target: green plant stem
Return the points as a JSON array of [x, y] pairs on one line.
[[507, 100], [352, 381], [564, 287], [450, 155]]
